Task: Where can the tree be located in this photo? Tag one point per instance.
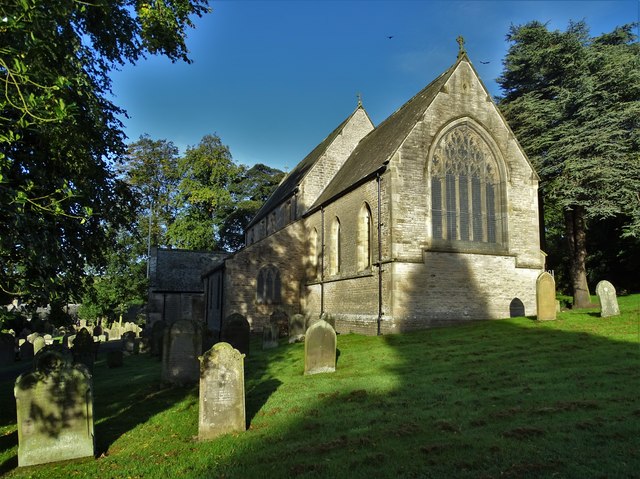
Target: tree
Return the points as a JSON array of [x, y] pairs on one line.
[[574, 103], [60, 134], [207, 171], [249, 192], [151, 170]]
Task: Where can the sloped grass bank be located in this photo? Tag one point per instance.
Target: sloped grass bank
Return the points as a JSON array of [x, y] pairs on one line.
[[510, 398]]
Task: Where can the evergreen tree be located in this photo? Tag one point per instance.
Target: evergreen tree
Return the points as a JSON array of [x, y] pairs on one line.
[[573, 101]]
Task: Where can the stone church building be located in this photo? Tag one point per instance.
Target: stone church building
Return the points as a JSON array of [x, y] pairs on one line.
[[429, 218]]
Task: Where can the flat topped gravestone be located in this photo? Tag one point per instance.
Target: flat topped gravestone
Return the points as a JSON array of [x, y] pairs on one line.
[[608, 300], [237, 332], [546, 297], [54, 406], [222, 404], [182, 346], [320, 348]]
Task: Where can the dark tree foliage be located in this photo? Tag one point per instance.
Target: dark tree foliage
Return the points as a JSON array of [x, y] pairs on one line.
[[573, 101], [60, 135]]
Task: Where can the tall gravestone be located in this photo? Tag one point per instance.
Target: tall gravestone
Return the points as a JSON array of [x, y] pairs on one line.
[[83, 349], [222, 401], [608, 299], [54, 406], [270, 335], [320, 348], [237, 332], [296, 328], [182, 346], [546, 297]]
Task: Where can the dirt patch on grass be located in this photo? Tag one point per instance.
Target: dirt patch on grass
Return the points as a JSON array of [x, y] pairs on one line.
[[446, 426], [433, 449], [522, 433]]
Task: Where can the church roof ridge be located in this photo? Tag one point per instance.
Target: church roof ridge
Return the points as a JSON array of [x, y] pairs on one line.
[[291, 181], [375, 149]]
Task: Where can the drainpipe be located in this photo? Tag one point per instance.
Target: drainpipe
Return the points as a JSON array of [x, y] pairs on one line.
[[379, 258], [322, 261]]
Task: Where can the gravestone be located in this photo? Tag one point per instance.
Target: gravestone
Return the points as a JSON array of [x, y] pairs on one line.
[[182, 346], [54, 406], [39, 343], [27, 350], [67, 340], [7, 349], [608, 300], [296, 328], [222, 401], [320, 348], [516, 308], [546, 297], [97, 331], [48, 339], [129, 342], [83, 349], [270, 335], [329, 319], [282, 320], [237, 332]]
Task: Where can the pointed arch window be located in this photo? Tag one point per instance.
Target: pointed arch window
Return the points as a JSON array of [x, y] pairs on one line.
[[314, 254], [466, 191], [268, 290], [335, 252], [365, 237]]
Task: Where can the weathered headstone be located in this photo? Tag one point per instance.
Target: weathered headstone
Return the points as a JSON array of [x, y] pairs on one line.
[[97, 331], [608, 300], [55, 412], [7, 349], [270, 335], [516, 308], [129, 342], [27, 350], [546, 297], [222, 402], [296, 328], [48, 339], [282, 320], [237, 332], [320, 348], [83, 349], [329, 319], [182, 346]]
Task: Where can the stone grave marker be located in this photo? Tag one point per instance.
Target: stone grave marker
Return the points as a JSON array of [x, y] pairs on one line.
[[182, 346], [296, 328], [237, 332], [97, 331], [83, 349], [129, 342], [608, 299], [7, 349], [54, 406], [546, 297], [39, 343], [320, 348], [27, 350], [48, 339], [270, 335], [282, 320], [222, 401]]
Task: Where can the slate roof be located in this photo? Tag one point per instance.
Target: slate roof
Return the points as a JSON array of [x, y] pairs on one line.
[[376, 149], [291, 182]]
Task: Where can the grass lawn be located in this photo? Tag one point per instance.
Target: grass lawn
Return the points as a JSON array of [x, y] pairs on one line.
[[509, 398]]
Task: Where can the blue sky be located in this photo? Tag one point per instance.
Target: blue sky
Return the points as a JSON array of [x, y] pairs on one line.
[[274, 78]]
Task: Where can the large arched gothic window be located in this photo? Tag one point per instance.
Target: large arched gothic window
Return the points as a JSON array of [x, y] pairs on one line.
[[466, 191], [365, 237], [268, 289]]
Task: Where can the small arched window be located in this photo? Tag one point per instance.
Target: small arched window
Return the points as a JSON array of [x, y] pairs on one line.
[[268, 290], [335, 252], [466, 190], [365, 237]]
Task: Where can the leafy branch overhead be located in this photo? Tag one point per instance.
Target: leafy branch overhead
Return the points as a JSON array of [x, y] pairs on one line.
[[60, 135]]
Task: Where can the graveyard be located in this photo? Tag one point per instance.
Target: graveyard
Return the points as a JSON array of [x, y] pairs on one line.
[[507, 398]]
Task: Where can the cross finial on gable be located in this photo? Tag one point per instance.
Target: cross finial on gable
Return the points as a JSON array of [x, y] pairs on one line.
[[461, 50], [359, 99]]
